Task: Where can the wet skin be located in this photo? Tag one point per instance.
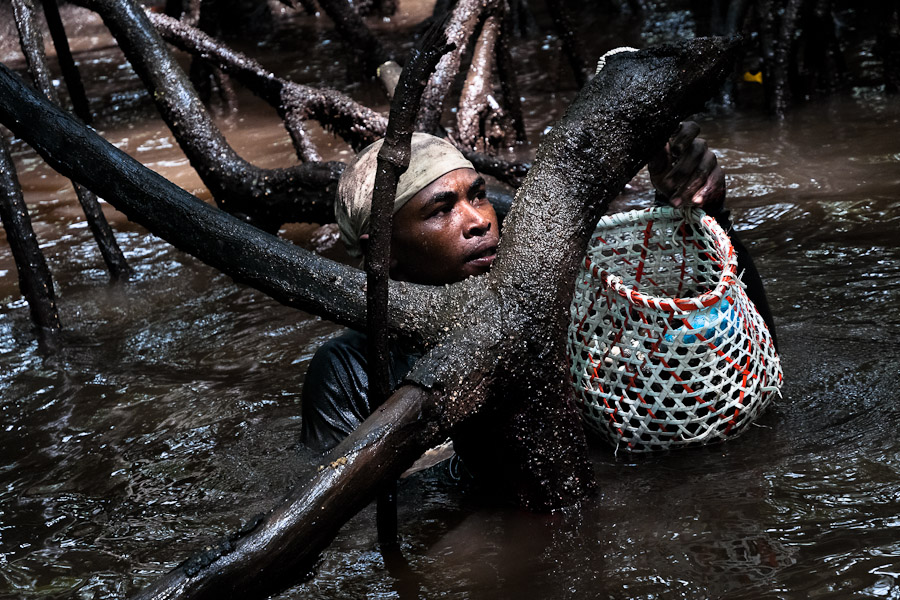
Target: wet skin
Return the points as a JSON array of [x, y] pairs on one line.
[[446, 232], [685, 171]]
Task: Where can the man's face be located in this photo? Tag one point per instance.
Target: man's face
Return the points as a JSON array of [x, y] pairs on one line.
[[446, 232]]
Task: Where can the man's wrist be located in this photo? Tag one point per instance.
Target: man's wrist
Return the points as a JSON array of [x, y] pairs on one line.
[[716, 210]]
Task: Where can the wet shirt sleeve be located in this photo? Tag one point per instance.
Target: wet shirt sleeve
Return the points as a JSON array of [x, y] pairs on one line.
[[756, 291], [335, 396], [334, 399]]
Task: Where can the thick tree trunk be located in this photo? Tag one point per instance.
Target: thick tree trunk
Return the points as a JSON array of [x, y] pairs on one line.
[[66, 62], [336, 112], [571, 47], [488, 335], [267, 197], [460, 30], [356, 34], [617, 121], [35, 281], [32, 42]]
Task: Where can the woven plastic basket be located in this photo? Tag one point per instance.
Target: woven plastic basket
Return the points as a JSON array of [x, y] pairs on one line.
[[665, 347]]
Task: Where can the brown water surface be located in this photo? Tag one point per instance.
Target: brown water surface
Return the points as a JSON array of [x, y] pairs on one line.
[[172, 413]]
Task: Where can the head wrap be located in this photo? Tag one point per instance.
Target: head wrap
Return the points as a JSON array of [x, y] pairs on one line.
[[430, 158]]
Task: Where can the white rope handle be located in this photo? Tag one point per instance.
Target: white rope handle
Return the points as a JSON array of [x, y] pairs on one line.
[[602, 62]]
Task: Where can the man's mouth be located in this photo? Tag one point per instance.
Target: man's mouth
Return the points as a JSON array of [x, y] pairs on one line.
[[484, 257]]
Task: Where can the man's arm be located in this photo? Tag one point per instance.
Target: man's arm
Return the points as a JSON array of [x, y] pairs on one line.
[[686, 172], [335, 399]]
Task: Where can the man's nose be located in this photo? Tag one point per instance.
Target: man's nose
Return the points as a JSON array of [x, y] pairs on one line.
[[475, 223]]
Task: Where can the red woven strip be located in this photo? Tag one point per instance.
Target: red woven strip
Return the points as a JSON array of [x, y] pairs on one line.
[[662, 427], [651, 281], [630, 370], [612, 418], [743, 389], [675, 376], [681, 304], [640, 269], [615, 341], [613, 411], [732, 421], [721, 354], [583, 319], [611, 247]]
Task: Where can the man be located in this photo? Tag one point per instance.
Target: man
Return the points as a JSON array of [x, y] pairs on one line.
[[444, 231]]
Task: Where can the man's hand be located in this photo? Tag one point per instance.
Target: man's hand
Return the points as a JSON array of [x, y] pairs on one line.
[[685, 171]]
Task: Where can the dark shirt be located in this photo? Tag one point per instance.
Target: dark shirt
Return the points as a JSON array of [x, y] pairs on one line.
[[335, 397], [746, 269]]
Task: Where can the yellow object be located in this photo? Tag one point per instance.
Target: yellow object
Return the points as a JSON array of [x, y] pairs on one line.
[[748, 76]]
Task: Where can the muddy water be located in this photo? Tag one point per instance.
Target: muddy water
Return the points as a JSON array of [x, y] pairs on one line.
[[172, 413]]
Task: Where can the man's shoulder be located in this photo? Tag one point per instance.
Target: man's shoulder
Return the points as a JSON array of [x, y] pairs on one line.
[[350, 344], [346, 356], [337, 370], [334, 397]]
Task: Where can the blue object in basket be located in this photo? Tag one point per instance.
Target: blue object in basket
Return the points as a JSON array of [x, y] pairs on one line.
[[718, 319]]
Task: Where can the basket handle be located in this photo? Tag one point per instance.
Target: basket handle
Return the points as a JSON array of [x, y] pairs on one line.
[[723, 247]]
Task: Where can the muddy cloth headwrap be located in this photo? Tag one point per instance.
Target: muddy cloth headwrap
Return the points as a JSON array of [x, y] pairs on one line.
[[431, 157]]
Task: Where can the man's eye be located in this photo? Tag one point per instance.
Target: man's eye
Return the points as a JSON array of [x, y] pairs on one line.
[[441, 209]]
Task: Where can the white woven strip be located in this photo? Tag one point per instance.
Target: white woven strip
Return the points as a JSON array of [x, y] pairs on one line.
[[666, 349]]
